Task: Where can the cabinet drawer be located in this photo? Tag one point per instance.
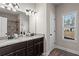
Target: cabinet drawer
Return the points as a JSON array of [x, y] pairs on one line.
[[41, 48], [11, 48], [38, 40]]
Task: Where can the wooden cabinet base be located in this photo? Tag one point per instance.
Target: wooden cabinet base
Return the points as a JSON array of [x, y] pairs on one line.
[[28, 48]]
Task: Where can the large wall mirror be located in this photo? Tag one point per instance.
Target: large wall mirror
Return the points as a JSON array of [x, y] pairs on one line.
[[69, 25], [11, 24]]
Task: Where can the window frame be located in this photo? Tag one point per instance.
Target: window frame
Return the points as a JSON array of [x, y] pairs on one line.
[[75, 40]]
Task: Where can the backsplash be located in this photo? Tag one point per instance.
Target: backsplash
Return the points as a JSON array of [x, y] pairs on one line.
[[12, 23]]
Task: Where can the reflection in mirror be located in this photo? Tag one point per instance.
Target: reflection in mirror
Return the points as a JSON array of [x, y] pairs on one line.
[[24, 23], [13, 24], [9, 24], [3, 26], [69, 26]]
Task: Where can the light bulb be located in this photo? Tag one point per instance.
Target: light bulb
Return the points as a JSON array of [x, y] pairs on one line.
[[10, 5], [3, 3], [8, 8], [2, 6], [16, 7], [14, 10]]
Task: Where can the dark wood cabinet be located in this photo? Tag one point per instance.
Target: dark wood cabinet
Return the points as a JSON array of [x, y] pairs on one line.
[[36, 50], [41, 47], [30, 51], [20, 52], [11, 54], [28, 48], [38, 47], [10, 49]]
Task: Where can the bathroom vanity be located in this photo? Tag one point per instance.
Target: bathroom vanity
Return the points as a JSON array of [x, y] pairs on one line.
[[22, 46], [13, 24]]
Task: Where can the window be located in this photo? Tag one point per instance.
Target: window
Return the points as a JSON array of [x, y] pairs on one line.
[[69, 26]]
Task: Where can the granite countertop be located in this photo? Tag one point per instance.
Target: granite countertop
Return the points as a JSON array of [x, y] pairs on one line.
[[5, 42]]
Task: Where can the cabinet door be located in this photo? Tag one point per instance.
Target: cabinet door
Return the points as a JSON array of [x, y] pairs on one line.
[[21, 52], [30, 51], [11, 54], [40, 48], [30, 43], [36, 49], [30, 48]]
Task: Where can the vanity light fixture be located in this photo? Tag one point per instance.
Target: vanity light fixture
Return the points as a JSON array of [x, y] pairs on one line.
[[30, 11], [2, 6], [10, 6]]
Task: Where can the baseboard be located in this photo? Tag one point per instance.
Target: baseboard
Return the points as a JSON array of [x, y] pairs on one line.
[[43, 54], [66, 49], [47, 53]]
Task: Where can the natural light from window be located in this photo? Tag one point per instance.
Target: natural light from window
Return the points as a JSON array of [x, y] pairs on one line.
[[69, 26]]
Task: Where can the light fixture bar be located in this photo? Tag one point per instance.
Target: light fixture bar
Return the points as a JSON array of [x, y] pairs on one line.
[[10, 6]]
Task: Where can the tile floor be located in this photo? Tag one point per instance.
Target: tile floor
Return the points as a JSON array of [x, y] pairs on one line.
[[59, 52]]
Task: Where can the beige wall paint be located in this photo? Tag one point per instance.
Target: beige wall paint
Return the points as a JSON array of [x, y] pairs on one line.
[[60, 11]]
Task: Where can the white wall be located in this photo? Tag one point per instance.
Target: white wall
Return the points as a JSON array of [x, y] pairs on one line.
[[41, 18], [50, 26]]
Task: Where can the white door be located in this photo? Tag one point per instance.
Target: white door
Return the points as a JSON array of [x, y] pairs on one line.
[[52, 32]]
